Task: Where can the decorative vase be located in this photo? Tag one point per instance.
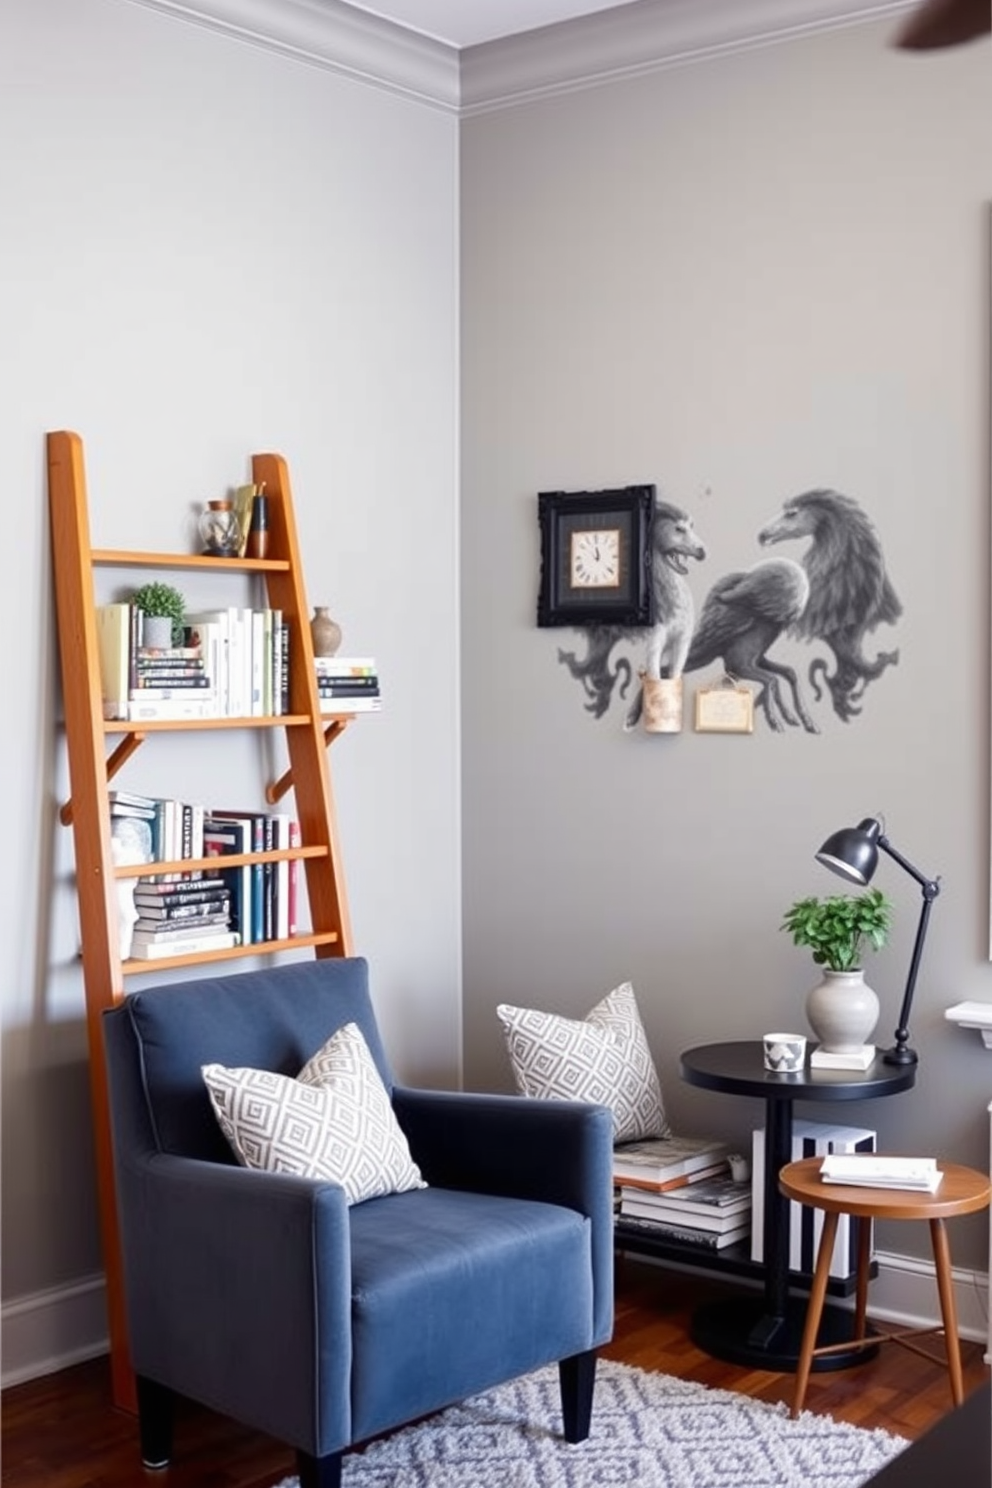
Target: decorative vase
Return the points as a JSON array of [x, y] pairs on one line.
[[156, 632], [326, 632], [662, 704], [842, 1011], [258, 531], [219, 529]]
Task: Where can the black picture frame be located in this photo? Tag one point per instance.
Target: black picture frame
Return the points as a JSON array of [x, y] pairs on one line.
[[626, 510]]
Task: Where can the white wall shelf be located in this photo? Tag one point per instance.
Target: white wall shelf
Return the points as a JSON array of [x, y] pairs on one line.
[[976, 1015]]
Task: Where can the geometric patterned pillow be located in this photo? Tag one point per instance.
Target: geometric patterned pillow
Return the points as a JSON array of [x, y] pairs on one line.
[[342, 1129], [603, 1058]]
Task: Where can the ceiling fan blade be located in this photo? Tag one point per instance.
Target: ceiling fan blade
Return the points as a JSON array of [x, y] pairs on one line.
[[944, 23]]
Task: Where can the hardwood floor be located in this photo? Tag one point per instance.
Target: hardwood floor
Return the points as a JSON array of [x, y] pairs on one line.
[[63, 1432]]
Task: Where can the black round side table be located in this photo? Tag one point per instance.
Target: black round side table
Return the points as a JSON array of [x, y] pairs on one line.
[[766, 1331]]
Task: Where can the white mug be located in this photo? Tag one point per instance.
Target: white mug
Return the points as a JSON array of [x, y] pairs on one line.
[[785, 1053]]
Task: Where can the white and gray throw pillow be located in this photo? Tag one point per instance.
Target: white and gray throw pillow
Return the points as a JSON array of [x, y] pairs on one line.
[[603, 1058], [334, 1121]]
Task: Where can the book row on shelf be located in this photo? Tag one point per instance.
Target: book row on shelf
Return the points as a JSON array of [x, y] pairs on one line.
[[681, 1189], [180, 913], [229, 663]]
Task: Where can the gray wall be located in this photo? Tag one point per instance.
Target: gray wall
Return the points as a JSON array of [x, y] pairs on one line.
[[207, 251], [738, 279]]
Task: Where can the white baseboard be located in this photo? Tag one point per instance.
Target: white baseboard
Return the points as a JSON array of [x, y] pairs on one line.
[[905, 1293], [52, 1329], [49, 1330]]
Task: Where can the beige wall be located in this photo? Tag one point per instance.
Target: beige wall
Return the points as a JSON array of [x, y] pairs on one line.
[[738, 279], [209, 250]]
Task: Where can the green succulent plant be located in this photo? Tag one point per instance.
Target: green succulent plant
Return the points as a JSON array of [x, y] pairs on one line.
[[839, 929], [162, 599]]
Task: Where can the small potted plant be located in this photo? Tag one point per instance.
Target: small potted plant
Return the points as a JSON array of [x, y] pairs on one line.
[[164, 610], [842, 1009]]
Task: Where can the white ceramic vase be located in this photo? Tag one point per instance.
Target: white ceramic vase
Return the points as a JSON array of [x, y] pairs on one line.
[[842, 1011]]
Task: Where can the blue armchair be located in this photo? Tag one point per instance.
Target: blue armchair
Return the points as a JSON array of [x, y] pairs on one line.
[[269, 1299]]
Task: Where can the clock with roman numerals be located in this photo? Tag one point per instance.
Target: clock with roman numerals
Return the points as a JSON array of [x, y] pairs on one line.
[[595, 557]]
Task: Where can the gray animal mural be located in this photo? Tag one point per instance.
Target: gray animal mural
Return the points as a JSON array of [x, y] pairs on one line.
[[673, 542], [833, 594], [849, 591]]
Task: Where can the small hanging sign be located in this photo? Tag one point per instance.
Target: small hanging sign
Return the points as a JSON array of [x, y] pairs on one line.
[[726, 708]]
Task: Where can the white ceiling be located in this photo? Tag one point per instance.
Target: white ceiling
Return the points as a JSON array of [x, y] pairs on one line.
[[464, 23]]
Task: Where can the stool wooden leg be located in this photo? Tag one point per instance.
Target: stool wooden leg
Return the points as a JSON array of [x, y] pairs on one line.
[[814, 1310], [948, 1308], [864, 1266]]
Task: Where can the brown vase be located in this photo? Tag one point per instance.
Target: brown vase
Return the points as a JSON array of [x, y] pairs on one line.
[[326, 632]]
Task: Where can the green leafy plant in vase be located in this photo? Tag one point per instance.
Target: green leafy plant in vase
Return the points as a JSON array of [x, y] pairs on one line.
[[842, 1009], [158, 601]]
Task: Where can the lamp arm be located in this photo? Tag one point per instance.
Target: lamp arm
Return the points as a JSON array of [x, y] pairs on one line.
[[930, 888]]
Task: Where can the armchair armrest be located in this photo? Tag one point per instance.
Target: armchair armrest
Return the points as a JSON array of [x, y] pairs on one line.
[[559, 1152], [238, 1292]]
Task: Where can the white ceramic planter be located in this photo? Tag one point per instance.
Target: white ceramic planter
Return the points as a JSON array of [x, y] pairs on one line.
[[842, 1011]]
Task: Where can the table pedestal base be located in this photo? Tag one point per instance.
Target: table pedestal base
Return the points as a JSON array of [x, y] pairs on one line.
[[740, 1331]]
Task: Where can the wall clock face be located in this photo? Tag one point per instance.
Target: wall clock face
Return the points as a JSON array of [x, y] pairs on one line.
[[595, 559]]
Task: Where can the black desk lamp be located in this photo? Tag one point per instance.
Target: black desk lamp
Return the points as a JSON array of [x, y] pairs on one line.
[[853, 853]]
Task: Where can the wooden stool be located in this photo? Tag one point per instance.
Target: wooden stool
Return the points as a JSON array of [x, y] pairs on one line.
[[962, 1191]]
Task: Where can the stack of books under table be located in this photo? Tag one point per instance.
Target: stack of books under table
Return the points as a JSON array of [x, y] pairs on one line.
[[680, 1189]]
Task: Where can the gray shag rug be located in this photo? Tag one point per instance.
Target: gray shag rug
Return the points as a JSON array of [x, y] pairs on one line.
[[648, 1431]]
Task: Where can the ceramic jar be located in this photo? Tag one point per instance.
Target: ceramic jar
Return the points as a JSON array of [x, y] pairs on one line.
[[842, 1011], [326, 633]]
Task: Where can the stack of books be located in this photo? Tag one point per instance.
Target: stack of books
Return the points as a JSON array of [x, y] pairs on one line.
[[679, 1188], [916, 1174], [348, 684], [711, 1211], [181, 918]]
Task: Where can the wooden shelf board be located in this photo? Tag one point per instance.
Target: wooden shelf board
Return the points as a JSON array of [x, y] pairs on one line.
[[186, 866], [123, 558], [231, 953], [160, 725]]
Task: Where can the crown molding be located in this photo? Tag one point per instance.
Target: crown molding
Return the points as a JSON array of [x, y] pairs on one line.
[[334, 36], [639, 37], [646, 36]]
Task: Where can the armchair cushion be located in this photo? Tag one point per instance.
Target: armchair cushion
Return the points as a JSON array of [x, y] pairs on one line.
[[603, 1058], [334, 1121]]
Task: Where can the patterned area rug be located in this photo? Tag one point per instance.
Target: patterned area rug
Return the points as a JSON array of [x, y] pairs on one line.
[[648, 1431]]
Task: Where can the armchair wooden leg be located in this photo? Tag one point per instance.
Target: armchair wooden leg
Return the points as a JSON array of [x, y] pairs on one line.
[[155, 1413], [319, 1472], [577, 1376]]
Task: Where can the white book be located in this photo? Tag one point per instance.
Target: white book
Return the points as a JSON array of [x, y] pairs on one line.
[[192, 945], [281, 823], [351, 705], [257, 644], [345, 666], [212, 629], [170, 710], [860, 1059]]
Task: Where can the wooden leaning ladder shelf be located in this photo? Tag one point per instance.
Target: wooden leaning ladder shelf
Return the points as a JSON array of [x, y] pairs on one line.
[[91, 768]]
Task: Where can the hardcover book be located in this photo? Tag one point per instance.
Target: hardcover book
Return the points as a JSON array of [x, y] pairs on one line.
[[720, 1224], [661, 1158], [681, 1235]]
